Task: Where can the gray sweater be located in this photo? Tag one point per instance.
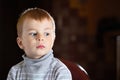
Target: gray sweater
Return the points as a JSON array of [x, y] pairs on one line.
[[46, 68]]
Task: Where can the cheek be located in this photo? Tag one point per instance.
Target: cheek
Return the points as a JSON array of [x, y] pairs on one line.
[[51, 41], [28, 42]]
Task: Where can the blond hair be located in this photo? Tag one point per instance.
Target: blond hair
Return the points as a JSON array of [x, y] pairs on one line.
[[33, 13]]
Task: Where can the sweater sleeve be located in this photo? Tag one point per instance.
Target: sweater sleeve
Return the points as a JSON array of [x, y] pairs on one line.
[[11, 74], [63, 74]]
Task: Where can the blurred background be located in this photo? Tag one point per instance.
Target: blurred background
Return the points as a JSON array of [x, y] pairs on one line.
[[88, 33]]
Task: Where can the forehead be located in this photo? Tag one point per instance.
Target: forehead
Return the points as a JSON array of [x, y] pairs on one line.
[[37, 24]]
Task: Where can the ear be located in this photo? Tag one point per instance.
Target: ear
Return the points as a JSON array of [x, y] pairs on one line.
[[19, 42]]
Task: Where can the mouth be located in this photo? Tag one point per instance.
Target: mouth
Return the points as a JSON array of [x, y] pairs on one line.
[[40, 46]]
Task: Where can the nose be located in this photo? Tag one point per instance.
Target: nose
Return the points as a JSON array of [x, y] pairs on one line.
[[40, 38]]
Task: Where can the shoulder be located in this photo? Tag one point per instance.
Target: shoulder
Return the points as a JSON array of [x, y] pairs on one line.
[[58, 64], [16, 67], [13, 71], [61, 71]]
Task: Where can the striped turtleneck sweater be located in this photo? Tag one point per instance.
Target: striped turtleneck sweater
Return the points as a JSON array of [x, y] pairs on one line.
[[46, 68]]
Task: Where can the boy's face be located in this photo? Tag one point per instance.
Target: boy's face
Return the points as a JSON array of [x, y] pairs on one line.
[[37, 37]]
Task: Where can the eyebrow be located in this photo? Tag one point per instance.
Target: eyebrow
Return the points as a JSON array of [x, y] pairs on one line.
[[48, 28], [30, 29], [44, 29]]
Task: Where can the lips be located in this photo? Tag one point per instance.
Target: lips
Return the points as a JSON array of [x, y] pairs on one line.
[[41, 46]]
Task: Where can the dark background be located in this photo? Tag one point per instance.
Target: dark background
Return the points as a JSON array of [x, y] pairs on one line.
[[86, 33]]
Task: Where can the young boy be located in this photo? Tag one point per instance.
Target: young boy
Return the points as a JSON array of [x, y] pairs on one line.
[[36, 35]]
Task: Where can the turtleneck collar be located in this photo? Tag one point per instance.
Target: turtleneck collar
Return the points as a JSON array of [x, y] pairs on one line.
[[41, 60]]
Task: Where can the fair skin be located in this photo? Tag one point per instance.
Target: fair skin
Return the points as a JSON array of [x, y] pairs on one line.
[[37, 37]]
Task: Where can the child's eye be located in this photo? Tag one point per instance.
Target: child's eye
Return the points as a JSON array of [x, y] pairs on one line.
[[47, 34], [33, 34]]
